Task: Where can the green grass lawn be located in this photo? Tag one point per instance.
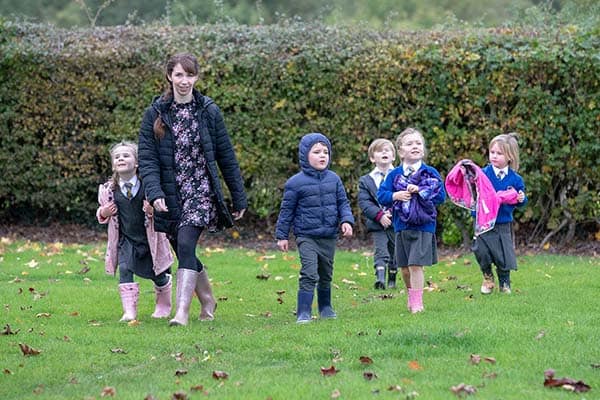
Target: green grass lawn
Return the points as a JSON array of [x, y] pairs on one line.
[[49, 303]]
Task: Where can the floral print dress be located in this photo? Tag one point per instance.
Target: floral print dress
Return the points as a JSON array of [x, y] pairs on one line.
[[191, 174]]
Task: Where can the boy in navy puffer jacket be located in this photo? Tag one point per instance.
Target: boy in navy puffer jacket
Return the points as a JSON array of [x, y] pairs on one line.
[[316, 206]]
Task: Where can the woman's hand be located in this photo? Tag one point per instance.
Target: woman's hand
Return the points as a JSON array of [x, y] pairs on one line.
[[238, 214], [159, 205], [386, 219]]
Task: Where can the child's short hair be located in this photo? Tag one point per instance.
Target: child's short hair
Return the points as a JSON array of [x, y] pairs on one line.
[[409, 131], [378, 144], [509, 146]]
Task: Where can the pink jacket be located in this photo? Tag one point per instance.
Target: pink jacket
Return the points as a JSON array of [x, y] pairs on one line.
[[468, 187], [159, 244]]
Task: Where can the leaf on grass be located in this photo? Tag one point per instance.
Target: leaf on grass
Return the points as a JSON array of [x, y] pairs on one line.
[[118, 350], [348, 282], [32, 264], [466, 288], [336, 394], [475, 359], [280, 300], [28, 351], [414, 365], [108, 391], [540, 335], [267, 257], [84, 270], [368, 375], [181, 372], [491, 360], [395, 388], [74, 314], [365, 360], [7, 371], [595, 365], [220, 375], [135, 322], [386, 296], [329, 371], [462, 388], [565, 383], [490, 375], [263, 276], [8, 331], [197, 388], [280, 292], [150, 397], [43, 314]]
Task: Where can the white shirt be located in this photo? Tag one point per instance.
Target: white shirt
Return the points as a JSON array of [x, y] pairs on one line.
[[504, 172], [378, 175], [136, 186], [414, 167]]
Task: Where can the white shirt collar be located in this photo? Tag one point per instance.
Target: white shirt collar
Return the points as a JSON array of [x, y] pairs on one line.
[[415, 166], [134, 181], [497, 170]]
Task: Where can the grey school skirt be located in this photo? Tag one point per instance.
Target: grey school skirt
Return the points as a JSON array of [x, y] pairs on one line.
[[496, 247], [415, 248]]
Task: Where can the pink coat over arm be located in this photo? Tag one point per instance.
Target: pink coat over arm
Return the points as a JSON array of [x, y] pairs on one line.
[[468, 187], [159, 244]]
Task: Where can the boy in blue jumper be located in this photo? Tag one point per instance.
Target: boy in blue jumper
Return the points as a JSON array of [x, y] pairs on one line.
[[316, 207]]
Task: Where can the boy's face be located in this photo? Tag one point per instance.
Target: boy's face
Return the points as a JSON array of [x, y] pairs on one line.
[[383, 156], [318, 156], [123, 160]]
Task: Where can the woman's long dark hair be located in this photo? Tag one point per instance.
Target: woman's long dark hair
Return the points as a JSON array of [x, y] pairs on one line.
[[189, 63]]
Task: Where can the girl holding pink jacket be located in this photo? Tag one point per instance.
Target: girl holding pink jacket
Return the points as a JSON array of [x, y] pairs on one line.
[[133, 245]]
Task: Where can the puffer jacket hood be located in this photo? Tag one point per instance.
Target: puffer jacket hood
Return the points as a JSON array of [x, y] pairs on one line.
[[306, 143]]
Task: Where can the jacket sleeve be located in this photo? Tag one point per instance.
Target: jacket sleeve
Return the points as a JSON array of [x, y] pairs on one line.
[[344, 208], [227, 161], [386, 190], [102, 200], [367, 203], [286, 213], [148, 158]]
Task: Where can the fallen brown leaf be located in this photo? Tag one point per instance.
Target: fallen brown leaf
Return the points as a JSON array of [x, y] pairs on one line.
[[180, 395], [365, 360], [108, 391], [461, 389], [8, 331], [565, 383], [28, 351], [414, 365], [368, 375], [181, 372], [220, 375], [329, 371]]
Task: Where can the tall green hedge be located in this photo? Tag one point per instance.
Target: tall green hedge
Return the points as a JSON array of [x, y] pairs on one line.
[[66, 96]]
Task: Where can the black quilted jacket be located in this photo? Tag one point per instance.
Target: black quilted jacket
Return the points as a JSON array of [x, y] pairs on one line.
[[157, 162]]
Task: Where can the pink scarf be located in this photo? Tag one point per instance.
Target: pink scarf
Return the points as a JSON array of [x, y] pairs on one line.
[[468, 187]]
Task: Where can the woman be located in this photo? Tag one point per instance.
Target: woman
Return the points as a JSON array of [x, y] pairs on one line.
[[182, 141]]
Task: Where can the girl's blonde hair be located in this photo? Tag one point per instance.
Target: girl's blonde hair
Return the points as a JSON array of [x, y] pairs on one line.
[[509, 146], [406, 132], [124, 143], [379, 144]]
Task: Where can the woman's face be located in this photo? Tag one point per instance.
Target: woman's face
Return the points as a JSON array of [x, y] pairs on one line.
[[183, 83]]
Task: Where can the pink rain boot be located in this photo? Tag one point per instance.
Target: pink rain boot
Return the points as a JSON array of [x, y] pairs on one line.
[[129, 298], [208, 305], [186, 283], [163, 299], [415, 300]]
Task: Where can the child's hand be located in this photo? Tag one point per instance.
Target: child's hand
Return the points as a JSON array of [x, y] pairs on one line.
[[521, 196], [108, 210], [402, 195], [412, 188], [346, 229], [386, 219], [283, 245], [148, 209]]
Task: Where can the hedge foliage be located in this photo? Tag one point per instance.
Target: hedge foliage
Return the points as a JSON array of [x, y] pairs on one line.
[[68, 95]]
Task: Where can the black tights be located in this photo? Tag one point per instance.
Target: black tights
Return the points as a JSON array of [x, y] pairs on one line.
[[185, 247]]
